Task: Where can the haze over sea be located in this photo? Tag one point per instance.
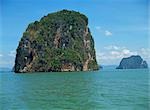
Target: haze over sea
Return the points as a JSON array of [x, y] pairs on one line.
[[106, 89]]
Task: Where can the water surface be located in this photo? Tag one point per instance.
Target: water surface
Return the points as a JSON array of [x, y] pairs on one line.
[[100, 90]]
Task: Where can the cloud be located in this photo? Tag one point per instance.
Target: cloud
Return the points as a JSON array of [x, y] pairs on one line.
[[108, 33], [112, 47], [7, 62], [12, 53], [113, 54], [103, 31], [145, 52], [98, 27], [8, 59]]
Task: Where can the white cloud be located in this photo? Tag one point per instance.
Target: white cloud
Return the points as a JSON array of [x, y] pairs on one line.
[[111, 47], [8, 60], [108, 33], [103, 31], [126, 52], [145, 52], [115, 53], [12, 53], [98, 27]]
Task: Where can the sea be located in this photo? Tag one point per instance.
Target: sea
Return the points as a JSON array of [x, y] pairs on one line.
[[106, 89]]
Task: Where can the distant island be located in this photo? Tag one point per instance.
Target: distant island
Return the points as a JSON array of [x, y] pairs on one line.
[[132, 62], [60, 41]]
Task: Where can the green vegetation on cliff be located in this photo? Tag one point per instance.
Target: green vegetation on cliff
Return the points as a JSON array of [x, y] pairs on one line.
[[60, 41]]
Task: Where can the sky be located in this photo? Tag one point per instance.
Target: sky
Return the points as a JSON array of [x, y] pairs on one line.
[[119, 27]]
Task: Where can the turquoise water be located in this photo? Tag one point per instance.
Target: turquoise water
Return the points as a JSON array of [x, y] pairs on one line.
[[101, 90]]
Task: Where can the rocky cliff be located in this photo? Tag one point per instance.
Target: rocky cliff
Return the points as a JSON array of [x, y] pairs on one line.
[[60, 41], [132, 62]]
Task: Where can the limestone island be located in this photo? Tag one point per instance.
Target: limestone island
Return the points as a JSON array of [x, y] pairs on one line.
[[132, 62], [60, 41]]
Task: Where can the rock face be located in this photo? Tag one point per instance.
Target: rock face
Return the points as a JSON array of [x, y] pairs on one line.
[[132, 62], [60, 41]]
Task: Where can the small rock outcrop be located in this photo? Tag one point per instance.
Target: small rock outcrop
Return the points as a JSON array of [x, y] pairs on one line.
[[60, 41], [100, 67], [132, 62]]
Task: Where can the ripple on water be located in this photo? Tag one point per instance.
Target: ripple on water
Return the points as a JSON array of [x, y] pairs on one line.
[[102, 90]]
